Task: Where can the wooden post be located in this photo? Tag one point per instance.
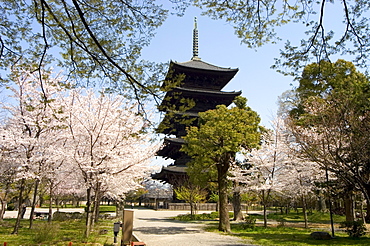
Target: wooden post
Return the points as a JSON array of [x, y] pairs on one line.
[[127, 226]]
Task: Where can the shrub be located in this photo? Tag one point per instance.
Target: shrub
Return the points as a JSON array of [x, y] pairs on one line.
[[249, 222], [354, 228], [44, 232], [204, 216], [63, 216]]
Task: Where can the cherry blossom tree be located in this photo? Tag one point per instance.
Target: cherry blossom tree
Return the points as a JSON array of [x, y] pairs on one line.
[[107, 142], [299, 180], [277, 167], [7, 177], [28, 131], [267, 163], [52, 132]]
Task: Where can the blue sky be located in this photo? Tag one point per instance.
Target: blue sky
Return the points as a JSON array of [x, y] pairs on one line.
[[218, 45]]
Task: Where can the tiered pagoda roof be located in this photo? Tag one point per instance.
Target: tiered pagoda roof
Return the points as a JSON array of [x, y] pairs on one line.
[[198, 90]]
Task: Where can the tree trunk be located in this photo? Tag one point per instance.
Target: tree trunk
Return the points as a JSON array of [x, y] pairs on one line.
[[367, 217], [224, 222], [96, 204], [264, 215], [362, 212], [88, 213], [264, 203], [348, 206], [237, 205], [321, 202], [2, 210], [33, 206], [192, 213], [51, 202], [4, 200], [20, 207], [304, 207]]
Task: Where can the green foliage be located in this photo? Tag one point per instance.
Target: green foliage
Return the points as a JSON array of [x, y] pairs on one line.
[[64, 216], [326, 81], [214, 197], [202, 217], [192, 194], [222, 132], [103, 39], [134, 195], [259, 22], [248, 223], [94, 41], [213, 144], [249, 197], [44, 232], [331, 121], [240, 102], [354, 228]]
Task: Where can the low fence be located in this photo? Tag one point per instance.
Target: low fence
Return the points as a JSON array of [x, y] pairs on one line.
[[200, 206]]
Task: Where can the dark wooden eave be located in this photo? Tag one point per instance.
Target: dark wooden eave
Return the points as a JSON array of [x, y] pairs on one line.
[[172, 174], [200, 74], [204, 99], [170, 124], [171, 148]]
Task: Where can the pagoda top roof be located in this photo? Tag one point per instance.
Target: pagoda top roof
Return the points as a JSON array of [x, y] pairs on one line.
[[199, 64]]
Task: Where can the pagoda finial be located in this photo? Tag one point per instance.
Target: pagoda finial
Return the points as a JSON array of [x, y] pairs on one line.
[[195, 40]]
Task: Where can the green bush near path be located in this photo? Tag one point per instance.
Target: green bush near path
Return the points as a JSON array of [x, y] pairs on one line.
[[199, 217]]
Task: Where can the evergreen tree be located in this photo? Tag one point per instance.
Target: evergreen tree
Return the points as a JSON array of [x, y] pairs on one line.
[[213, 144]]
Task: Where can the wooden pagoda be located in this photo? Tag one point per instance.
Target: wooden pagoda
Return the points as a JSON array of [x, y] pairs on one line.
[[198, 87]]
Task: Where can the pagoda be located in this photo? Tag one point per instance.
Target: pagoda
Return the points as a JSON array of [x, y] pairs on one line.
[[194, 86]]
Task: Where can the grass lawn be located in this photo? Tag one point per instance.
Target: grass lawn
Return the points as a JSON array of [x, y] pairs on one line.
[[58, 233], [287, 236], [286, 230], [292, 236]]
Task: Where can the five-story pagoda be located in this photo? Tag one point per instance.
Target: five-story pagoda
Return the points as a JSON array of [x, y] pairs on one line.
[[194, 86]]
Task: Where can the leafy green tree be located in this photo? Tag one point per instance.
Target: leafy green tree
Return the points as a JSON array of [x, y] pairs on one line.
[[222, 133], [259, 22], [104, 39], [192, 194], [331, 123], [93, 41]]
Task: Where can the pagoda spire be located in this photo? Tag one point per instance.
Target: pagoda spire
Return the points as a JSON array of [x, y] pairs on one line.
[[195, 40]]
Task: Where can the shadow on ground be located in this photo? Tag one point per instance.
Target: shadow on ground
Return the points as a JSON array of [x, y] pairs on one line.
[[166, 230]]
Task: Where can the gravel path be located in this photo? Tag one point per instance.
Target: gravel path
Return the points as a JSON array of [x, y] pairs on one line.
[[156, 229]]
